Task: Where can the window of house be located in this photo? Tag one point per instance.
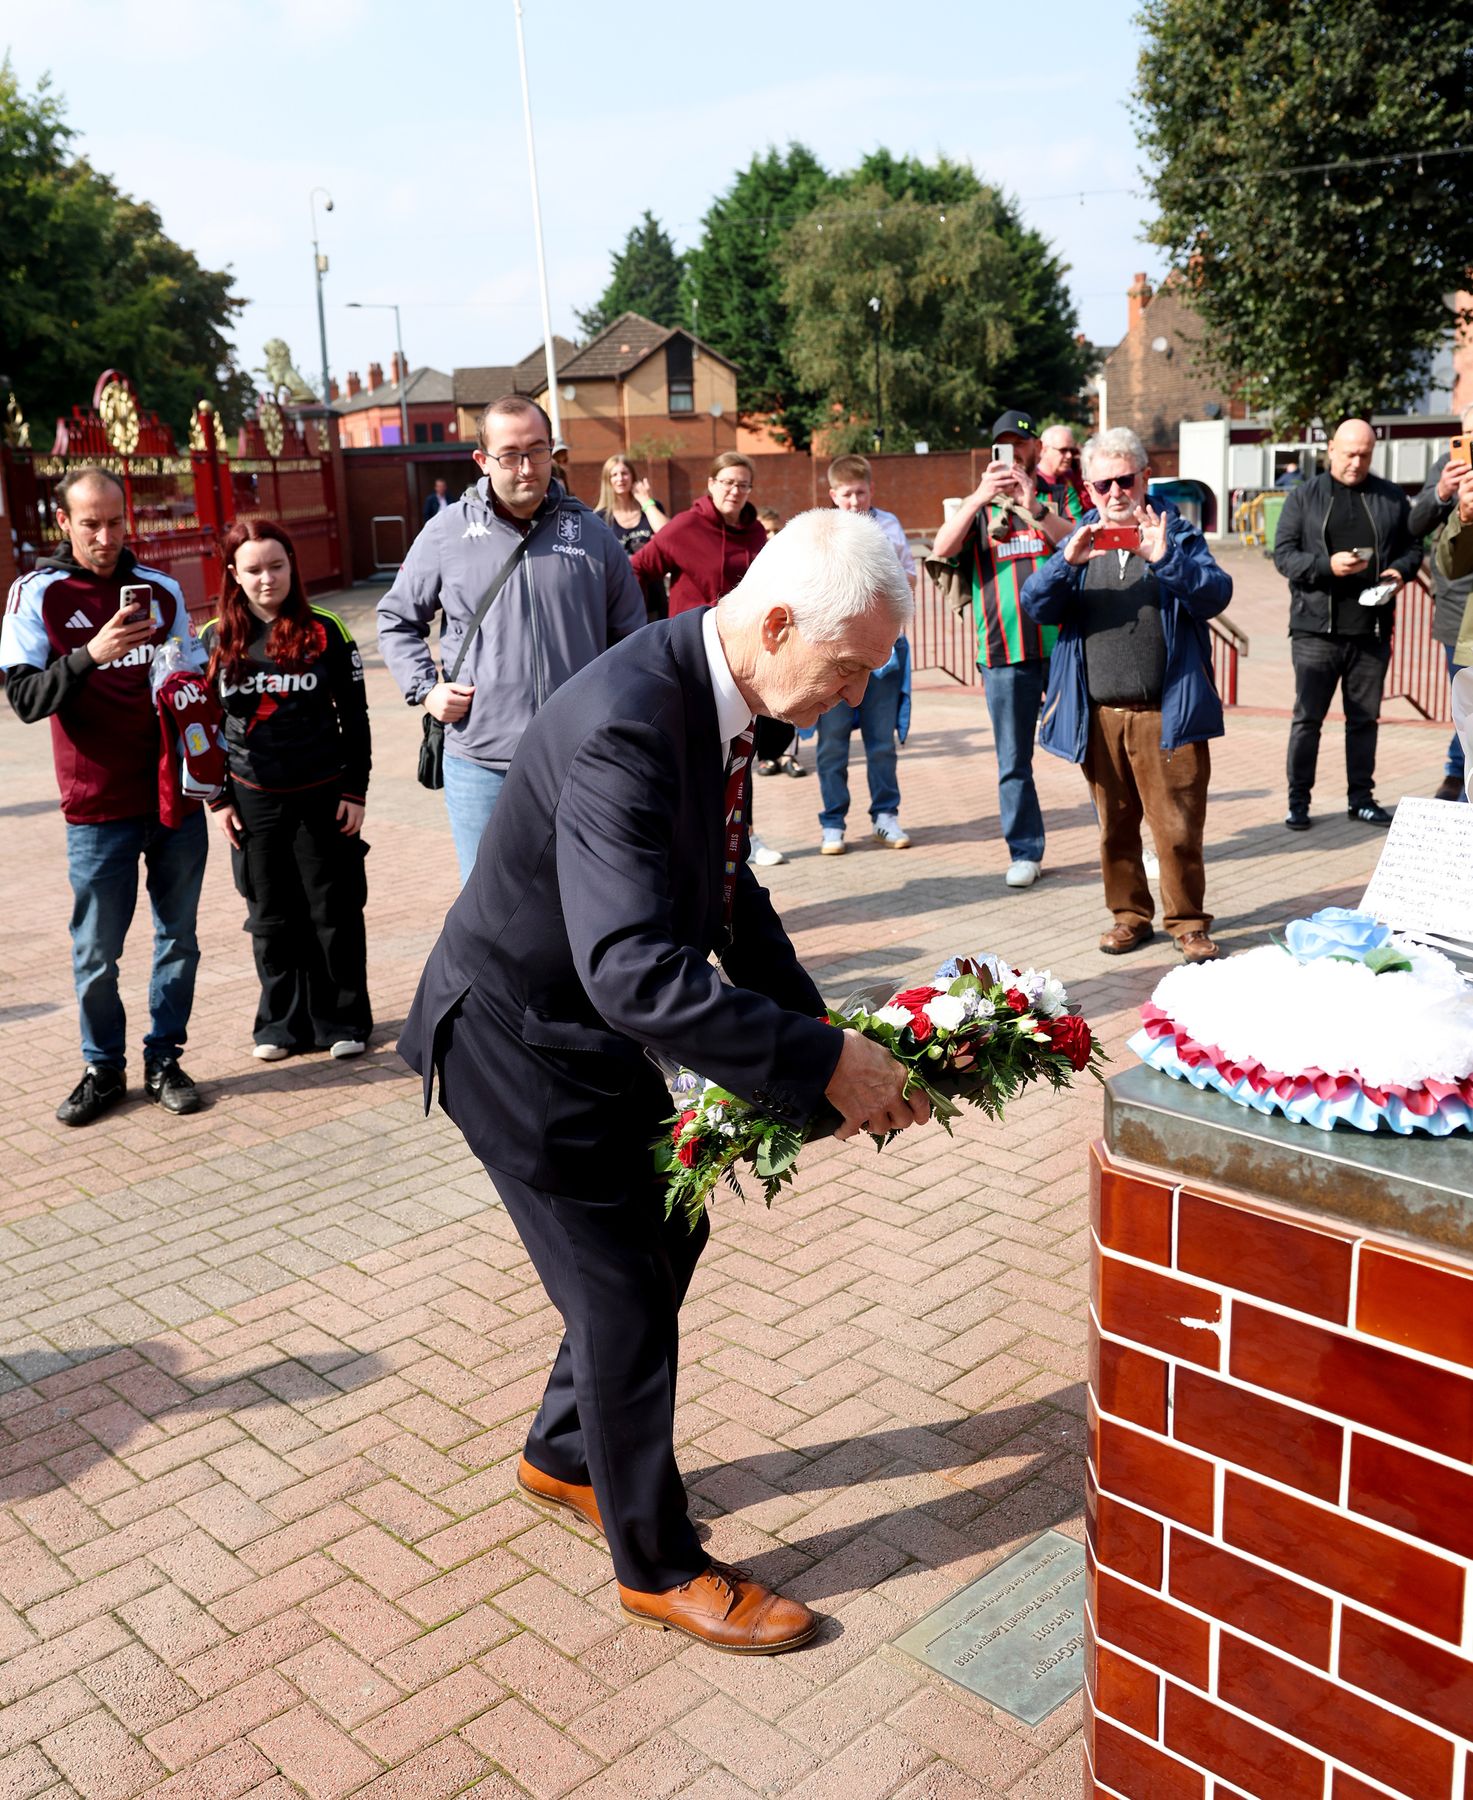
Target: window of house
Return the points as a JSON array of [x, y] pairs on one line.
[[437, 434], [421, 434], [679, 374], [682, 396]]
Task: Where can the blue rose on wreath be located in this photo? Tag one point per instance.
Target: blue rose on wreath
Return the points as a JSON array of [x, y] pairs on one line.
[[1342, 935]]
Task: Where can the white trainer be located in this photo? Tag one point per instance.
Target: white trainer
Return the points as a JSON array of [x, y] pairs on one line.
[[346, 1047], [890, 832], [271, 1053], [763, 856], [1023, 872], [833, 841]]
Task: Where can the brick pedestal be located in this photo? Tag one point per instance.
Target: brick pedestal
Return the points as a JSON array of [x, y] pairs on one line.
[[1280, 1500]]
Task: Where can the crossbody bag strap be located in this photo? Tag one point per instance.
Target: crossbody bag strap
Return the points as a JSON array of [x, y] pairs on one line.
[[489, 598]]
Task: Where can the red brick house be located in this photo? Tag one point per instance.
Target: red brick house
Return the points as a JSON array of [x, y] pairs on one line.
[[369, 414]]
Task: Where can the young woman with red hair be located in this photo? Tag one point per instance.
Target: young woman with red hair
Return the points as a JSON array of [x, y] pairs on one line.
[[290, 680]]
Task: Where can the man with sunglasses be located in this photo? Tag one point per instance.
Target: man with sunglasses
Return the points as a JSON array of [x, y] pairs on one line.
[[1130, 693], [569, 597]]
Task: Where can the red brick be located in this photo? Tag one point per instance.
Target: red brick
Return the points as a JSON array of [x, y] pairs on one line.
[[101, 1759], [23, 1721], [1319, 1712], [1348, 1787], [1251, 1599], [433, 1713], [1235, 1426], [1407, 1671], [1123, 1690], [314, 1754], [225, 1775], [221, 1721], [1355, 1380], [1130, 1214], [464, 1587], [1415, 1303], [1151, 1629], [1132, 1768], [44, 1663], [25, 1774], [448, 1647], [435, 1774], [341, 1684], [1123, 1539], [139, 1689], [1155, 1475], [1153, 1309], [1235, 1247], [1128, 1383], [388, 1567], [1347, 1557], [544, 1761], [264, 1646], [1230, 1746], [361, 1619], [1425, 1499]]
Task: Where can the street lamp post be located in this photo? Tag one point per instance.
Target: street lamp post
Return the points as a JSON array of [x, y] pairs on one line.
[[319, 269], [552, 393], [874, 303], [391, 306]]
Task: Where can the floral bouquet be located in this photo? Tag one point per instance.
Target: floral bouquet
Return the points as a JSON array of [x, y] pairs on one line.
[[976, 1035]]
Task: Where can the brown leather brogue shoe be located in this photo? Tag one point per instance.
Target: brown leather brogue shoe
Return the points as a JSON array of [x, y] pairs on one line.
[[1196, 946], [1120, 939], [725, 1608], [569, 1496]]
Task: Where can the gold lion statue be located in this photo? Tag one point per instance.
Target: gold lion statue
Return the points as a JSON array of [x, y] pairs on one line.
[[280, 373]]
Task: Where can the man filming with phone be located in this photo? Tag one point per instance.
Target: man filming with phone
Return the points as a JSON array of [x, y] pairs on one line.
[[77, 646], [1130, 694]]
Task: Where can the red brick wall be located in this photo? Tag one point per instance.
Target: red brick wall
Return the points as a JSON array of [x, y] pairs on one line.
[[1152, 391], [1280, 1504]]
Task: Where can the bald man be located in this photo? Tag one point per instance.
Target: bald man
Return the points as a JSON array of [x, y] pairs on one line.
[[1345, 547]]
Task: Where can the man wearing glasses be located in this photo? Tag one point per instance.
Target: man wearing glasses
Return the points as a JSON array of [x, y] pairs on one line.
[[569, 595], [1130, 693]]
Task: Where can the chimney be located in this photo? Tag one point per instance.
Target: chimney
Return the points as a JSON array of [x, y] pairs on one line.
[[376, 375], [332, 389], [400, 370], [355, 386], [1139, 296]]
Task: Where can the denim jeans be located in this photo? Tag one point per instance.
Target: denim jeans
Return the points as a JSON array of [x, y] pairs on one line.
[[878, 712], [1454, 765], [102, 866], [1014, 695], [471, 793]]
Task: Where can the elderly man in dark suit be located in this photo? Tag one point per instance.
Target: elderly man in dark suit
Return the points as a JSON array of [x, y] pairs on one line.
[[583, 938]]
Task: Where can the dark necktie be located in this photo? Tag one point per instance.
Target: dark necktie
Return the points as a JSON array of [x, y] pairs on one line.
[[737, 764]]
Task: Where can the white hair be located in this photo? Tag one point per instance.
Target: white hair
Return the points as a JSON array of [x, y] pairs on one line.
[[1119, 440], [828, 568]]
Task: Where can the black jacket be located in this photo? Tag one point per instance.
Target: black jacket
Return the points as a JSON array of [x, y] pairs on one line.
[[1450, 598], [584, 932], [1302, 556]]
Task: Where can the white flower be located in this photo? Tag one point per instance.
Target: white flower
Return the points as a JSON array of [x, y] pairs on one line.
[[892, 1015], [946, 1011], [1032, 982], [1054, 998], [978, 1005]]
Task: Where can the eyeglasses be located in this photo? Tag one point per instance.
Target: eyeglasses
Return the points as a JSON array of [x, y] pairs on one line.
[[1124, 482], [513, 459], [734, 487]]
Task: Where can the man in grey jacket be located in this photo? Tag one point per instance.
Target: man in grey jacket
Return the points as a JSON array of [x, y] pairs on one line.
[[571, 596], [1431, 511]]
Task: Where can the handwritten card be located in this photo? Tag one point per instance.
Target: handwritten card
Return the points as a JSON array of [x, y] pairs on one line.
[[1424, 880]]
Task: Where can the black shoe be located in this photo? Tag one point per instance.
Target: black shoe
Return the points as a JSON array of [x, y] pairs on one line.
[[791, 766], [1297, 818], [165, 1082], [1449, 788], [1369, 814], [100, 1088]]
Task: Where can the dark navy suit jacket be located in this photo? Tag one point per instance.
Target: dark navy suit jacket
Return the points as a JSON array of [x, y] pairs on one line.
[[583, 935]]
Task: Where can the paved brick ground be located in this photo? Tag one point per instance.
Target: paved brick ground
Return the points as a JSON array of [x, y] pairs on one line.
[[263, 1373]]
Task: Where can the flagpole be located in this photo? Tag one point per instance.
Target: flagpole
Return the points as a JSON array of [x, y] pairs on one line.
[[552, 393]]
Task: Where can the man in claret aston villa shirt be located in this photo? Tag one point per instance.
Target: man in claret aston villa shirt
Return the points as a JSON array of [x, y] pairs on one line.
[[73, 653]]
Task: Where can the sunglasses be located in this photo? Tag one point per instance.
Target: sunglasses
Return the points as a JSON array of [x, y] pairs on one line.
[[1124, 482]]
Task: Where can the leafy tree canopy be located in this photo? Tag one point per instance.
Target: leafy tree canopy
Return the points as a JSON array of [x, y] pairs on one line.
[[1322, 291], [90, 280], [646, 279]]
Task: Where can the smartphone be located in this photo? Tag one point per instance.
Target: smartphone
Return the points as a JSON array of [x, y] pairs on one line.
[[1458, 450], [1116, 537], [141, 595], [1365, 553], [1003, 453]]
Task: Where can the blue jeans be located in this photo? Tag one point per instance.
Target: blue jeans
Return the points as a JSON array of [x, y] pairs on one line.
[[1014, 695], [878, 712], [102, 866], [1455, 762], [471, 793]]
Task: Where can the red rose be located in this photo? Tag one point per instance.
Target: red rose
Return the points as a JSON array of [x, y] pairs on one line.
[[1071, 1037], [686, 1152], [1018, 1000], [913, 1001]]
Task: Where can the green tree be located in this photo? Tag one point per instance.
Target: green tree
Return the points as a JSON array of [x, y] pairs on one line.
[[646, 278], [1322, 290], [735, 285], [89, 280]]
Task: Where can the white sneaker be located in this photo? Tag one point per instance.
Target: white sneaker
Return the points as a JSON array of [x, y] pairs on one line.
[[346, 1047], [271, 1053], [763, 856], [890, 832], [833, 841], [1023, 872]]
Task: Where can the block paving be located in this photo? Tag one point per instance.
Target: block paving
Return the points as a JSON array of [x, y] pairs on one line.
[[264, 1372]]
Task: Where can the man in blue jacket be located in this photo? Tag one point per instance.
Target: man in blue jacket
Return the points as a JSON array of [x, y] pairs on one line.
[[1131, 695]]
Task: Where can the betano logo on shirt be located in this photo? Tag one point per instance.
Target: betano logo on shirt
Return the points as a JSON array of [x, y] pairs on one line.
[[270, 682], [140, 653]]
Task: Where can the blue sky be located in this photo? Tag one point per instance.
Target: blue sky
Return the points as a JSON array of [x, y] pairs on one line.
[[225, 114]]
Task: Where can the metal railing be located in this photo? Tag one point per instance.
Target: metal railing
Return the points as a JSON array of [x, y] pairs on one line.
[[1418, 668]]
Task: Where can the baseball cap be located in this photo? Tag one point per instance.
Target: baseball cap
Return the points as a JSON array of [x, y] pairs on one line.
[[1017, 422]]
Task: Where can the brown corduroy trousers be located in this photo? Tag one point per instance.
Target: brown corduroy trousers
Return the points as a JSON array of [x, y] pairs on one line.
[[1130, 778]]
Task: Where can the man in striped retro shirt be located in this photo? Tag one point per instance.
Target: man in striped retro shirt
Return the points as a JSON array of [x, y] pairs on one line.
[[997, 538]]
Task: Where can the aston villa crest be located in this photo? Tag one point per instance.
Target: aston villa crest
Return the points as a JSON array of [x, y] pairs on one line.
[[569, 527]]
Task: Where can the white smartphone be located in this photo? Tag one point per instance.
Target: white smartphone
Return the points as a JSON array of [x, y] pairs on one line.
[[141, 595], [1003, 453]]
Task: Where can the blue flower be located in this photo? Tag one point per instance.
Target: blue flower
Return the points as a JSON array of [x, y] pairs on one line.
[[1335, 931]]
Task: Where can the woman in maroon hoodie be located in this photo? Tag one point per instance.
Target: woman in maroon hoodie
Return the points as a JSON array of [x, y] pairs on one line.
[[708, 548]]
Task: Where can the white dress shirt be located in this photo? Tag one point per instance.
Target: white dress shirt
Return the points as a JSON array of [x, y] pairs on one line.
[[733, 715]]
